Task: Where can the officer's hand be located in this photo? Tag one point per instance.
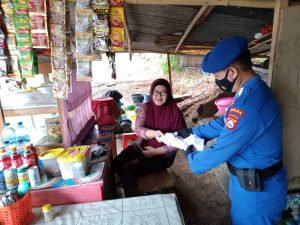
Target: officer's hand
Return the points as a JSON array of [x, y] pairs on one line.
[[189, 150], [184, 133]]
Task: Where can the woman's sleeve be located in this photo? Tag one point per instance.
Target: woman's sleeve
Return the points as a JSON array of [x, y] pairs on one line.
[[140, 130]]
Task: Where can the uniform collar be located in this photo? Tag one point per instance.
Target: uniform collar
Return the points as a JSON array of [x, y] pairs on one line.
[[252, 82]]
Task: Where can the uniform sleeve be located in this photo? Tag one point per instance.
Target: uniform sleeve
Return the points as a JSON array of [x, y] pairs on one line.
[[210, 130], [238, 131], [140, 130]]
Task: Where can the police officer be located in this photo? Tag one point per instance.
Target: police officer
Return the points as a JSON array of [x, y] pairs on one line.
[[248, 137]]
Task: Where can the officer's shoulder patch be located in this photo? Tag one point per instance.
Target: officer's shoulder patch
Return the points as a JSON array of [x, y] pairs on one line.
[[233, 117]]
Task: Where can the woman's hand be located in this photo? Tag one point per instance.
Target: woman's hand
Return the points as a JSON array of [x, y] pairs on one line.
[[151, 151], [153, 133]]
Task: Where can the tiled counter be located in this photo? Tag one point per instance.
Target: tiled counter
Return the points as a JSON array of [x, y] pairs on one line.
[[161, 209]]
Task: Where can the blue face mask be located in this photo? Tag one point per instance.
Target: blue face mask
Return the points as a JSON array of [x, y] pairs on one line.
[[225, 84]]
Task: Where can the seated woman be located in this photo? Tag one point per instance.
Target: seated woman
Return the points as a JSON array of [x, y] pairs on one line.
[[160, 115]]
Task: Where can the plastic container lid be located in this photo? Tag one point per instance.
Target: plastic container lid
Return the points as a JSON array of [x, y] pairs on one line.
[[74, 154], [52, 153], [13, 149], [46, 207]]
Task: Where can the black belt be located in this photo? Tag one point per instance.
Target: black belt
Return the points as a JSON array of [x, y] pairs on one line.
[[264, 173]]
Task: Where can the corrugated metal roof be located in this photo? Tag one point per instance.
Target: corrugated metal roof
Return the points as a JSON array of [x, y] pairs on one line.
[[159, 28]]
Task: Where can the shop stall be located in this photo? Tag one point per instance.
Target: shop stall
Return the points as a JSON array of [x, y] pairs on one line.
[[63, 38]]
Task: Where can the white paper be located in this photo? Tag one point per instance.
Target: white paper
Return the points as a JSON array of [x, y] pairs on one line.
[[171, 139]]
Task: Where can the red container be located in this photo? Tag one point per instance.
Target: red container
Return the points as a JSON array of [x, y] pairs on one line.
[[19, 213], [5, 161], [16, 158], [105, 109], [29, 157]]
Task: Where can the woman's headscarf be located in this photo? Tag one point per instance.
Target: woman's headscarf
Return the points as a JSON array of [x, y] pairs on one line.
[[166, 118]]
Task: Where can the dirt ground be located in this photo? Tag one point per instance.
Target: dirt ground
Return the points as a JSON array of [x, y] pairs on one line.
[[203, 198]]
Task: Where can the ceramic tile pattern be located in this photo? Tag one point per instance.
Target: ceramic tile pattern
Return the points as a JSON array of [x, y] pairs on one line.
[[161, 209]]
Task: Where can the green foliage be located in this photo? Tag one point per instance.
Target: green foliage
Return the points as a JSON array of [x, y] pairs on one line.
[[174, 62]]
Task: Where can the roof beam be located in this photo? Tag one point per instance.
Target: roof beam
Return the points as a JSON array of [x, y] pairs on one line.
[[242, 3], [202, 14]]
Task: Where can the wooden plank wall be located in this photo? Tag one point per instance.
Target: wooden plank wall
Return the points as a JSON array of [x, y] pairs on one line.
[[286, 86]]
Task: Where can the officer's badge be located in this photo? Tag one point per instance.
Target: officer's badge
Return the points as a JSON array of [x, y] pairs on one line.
[[233, 118]]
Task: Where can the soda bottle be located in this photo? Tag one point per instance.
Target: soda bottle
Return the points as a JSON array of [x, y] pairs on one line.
[[5, 161], [29, 157], [16, 158]]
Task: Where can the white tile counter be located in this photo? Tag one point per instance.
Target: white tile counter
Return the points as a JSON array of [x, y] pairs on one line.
[[161, 209]]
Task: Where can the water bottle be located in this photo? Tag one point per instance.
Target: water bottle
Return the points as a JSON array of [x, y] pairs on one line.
[[8, 135], [22, 136]]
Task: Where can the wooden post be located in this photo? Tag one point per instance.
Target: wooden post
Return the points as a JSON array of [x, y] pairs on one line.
[[170, 73], [279, 6]]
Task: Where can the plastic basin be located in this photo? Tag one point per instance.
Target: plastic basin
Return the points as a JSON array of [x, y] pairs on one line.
[[223, 104]]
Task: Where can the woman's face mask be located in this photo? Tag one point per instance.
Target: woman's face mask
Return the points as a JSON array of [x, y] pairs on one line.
[[224, 84]]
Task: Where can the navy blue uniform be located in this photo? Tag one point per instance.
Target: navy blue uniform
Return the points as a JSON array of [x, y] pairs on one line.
[[248, 136]]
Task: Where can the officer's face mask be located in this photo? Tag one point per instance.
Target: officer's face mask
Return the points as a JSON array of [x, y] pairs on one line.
[[225, 84]]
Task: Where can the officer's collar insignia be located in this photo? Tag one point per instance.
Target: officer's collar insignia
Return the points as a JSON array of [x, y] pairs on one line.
[[240, 92]]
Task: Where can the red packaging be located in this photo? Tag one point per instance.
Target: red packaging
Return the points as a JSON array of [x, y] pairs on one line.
[[39, 40], [38, 22], [37, 6]]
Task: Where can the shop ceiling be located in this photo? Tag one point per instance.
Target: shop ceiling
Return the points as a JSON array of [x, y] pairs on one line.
[[193, 26]]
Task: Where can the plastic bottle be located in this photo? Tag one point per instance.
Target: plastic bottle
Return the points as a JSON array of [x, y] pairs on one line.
[[5, 161], [48, 212], [22, 136], [8, 135], [29, 157], [23, 188], [6, 145], [16, 158]]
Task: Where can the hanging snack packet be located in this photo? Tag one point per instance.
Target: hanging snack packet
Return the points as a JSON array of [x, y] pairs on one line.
[[58, 58], [11, 44], [84, 68], [26, 67], [117, 39], [116, 3], [99, 2], [39, 40], [58, 35], [84, 43], [21, 11], [84, 20], [116, 17], [57, 11], [38, 22], [24, 47], [25, 56], [83, 4], [2, 43], [3, 68], [37, 6]]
